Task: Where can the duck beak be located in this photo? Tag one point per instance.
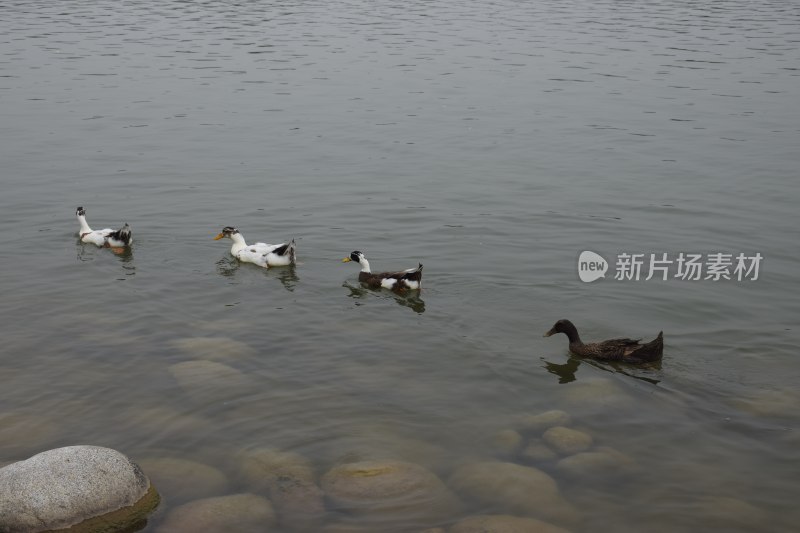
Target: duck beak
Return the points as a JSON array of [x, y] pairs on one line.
[[218, 237], [549, 333], [346, 260]]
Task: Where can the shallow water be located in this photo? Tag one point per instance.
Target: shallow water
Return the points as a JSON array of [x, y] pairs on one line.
[[493, 142]]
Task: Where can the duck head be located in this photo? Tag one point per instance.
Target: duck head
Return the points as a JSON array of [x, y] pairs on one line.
[[359, 258], [354, 256], [228, 232], [566, 327]]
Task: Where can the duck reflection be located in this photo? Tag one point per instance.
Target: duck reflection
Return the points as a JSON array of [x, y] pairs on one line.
[[566, 371], [410, 299], [639, 372], [89, 253], [228, 266], [286, 275]]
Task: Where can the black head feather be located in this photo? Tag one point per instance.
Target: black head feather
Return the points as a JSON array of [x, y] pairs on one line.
[[356, 256]]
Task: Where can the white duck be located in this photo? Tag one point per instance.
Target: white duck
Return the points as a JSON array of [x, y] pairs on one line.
[[261, 254], [107, 237]]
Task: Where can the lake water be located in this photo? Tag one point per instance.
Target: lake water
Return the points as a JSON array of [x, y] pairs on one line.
[[492, 142]]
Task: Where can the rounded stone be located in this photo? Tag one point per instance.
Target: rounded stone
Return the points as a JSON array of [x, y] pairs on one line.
[[598, 464], [514, 489], [181, 480], [537, 452], [214, 348], [373, 444], [731, 513], [390, 494], [566, 441], [261, 467], [597, 394], [542, 421], [506, 442], [772, 403], [209, 380], [74, 486], [222, 514], [289, 480], [503, 524]]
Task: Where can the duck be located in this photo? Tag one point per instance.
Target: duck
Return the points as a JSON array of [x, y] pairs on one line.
[[261, 254], [410, 279], [106, 238], [623, 350]]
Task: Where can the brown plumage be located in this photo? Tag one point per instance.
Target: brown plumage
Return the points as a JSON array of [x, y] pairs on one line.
[[403, 280], [624, 350]]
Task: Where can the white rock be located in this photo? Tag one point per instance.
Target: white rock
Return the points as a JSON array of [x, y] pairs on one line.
[[59, 488]]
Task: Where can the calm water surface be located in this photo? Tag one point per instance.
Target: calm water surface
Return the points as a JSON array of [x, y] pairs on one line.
[[491, 141]]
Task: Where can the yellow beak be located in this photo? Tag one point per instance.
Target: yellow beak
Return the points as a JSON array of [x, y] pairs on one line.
[[218, 237], [346, 260]]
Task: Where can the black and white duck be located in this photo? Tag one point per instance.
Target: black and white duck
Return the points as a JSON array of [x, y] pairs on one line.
[[623, 349], [261, 254], [410, 279], [107, 237]]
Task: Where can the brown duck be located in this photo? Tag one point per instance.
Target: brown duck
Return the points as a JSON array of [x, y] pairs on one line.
[[396, 281], [624, 350]]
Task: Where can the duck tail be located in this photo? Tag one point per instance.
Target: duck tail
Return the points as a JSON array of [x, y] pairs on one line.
[[123, 234], [653, 350]]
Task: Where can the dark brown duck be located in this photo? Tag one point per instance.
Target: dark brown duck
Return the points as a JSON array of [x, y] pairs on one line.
[[624, 350]]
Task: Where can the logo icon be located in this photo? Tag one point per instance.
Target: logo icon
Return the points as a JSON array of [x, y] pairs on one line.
[[591, 266]]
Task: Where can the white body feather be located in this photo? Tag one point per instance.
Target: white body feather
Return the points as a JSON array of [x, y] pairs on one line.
[[98, 237], [259, 253]]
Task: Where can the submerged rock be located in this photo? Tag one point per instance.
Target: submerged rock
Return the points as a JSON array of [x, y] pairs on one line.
[[214, 348], [538, 452], [98, 488], [539, 423], [771, 403], [209, 380], [513, 488], [289, 480], [506, 442], [390, 494], [731, 514], [504, 524], [181, 480], [566, 441], [162, 422], [380, 444], [601, 463], [597, 394], [223, 514]]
